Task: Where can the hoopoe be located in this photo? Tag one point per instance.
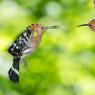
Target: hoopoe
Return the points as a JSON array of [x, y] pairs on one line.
[[25, 44], [91, 24]]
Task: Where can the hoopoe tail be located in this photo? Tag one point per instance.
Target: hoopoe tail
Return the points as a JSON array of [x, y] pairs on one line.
[[14, 70]]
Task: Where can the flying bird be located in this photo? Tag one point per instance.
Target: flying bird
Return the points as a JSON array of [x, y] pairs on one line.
[[25, 44]]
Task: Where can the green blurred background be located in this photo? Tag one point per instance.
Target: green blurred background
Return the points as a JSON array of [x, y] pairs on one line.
[[64, 63]]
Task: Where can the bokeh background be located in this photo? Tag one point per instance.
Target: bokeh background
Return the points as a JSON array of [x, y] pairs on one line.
[[64, 63]]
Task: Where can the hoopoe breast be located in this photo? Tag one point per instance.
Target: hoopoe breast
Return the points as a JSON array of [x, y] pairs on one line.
[[34, 41]]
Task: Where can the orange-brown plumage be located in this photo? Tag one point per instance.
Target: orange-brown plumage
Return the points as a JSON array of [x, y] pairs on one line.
[[35, 39]]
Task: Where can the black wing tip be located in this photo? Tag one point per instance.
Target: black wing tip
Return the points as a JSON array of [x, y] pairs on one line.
[[13, 76]]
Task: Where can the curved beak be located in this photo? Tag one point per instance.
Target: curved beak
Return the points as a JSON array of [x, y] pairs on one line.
[[52, 27], [83, 25]]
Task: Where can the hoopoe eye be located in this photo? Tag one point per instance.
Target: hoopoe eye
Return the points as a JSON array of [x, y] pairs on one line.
[[89, 24], [42, 27]]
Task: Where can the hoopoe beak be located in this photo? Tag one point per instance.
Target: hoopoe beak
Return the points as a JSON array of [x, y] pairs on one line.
[[83, 25], [52, 27]]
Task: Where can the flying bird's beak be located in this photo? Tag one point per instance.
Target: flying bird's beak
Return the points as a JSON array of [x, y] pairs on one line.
[[52, 27], [83, 25]]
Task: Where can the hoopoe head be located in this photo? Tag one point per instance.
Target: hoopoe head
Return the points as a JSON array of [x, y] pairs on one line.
[[91, 24], [41, 29], [38, 28]]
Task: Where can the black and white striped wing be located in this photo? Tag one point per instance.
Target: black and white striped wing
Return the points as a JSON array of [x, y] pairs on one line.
[[20, 44]]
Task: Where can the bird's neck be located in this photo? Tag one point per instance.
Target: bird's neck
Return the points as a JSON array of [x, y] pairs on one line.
[[39, 34]]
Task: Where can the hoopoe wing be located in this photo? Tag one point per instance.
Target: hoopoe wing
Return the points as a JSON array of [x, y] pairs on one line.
[[20, 43]]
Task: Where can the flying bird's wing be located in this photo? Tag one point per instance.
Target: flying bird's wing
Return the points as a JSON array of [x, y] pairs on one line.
[[19, 44]]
